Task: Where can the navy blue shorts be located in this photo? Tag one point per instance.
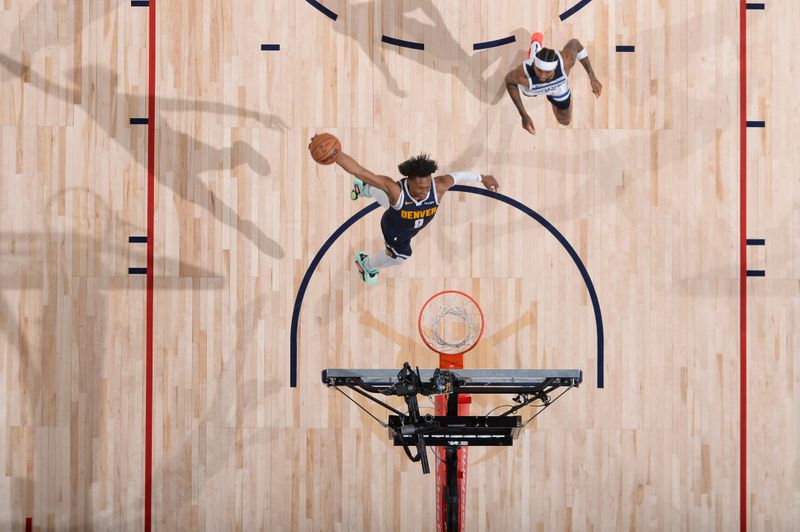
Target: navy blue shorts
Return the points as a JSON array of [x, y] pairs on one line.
[[398, 243], [398, 247], [561, 105]]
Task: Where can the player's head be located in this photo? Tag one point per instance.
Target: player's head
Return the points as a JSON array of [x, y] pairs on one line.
[[418, 170], [544, 64]]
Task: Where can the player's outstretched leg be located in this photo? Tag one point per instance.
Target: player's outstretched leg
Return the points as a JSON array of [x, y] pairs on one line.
[[360, 189], [364, 190], [368, 275]]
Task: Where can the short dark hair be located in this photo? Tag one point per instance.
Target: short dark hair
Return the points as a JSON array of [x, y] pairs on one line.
[[547, 54], [420, 166]]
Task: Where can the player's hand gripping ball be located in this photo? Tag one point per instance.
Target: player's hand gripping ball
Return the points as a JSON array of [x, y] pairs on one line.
[[325, 148]]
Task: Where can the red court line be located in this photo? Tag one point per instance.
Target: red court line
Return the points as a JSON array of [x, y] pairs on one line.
[[148, 396], [743, 265], [29, 524]]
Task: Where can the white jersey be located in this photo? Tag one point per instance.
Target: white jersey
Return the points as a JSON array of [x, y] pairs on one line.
[[556, 89]]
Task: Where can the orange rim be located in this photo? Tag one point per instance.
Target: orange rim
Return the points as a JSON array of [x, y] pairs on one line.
[[422, 311]]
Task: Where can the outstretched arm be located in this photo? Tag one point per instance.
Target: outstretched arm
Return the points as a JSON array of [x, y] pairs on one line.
[[513, 79], [446, 181], [574, 50], [382, 182]]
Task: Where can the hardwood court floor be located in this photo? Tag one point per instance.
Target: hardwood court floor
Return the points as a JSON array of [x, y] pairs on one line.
[[644, 185]]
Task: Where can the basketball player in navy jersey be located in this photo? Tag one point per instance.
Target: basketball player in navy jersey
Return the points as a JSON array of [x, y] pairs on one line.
[[546, 73], [410, 204]]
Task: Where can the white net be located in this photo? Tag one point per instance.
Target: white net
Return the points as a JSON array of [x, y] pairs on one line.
[[451, 323]]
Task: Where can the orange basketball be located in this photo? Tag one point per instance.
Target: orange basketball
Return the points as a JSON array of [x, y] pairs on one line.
[[325, 148]]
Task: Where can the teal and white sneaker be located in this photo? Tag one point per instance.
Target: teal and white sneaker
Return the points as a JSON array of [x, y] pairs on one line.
[[360, 189], [369, 276]]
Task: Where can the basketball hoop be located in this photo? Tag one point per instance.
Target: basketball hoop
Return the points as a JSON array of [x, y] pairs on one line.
[[450, 322]]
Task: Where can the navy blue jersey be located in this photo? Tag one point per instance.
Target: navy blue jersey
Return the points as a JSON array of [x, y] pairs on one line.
[[403, 223]]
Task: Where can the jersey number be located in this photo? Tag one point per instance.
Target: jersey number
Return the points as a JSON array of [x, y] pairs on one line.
[[418, 223]]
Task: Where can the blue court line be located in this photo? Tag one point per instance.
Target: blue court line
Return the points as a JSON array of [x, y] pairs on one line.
[[139, 121], [574, 9], [137, 239], [404, 44], [270, 47], [598, 317], [625, 48], [756, 273], [140, 3], [494, 43], [756, 242], [756, 123], [137, 271], [324, 10], [301, 292], [754, 6]]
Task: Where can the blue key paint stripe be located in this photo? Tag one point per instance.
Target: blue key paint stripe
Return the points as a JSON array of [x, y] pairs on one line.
[[139, 121], [404, 44], [324, 10], [756, 273], [625, 48], [756, 242], [574, 9], [140, 3], [598, 317], [137, 271], [755, 5], [494, 43], [137, 239], [270, 47], [756, 123]]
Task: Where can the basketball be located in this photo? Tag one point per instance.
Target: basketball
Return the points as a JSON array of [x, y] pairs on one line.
[[325, 148]]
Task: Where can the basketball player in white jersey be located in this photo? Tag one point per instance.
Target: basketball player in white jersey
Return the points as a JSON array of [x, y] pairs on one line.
[[410, 204], [546, 72]]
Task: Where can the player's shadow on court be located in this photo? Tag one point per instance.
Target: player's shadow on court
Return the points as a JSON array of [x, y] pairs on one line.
[[82, 306], [443, 53], [188, 184], [31, 35]]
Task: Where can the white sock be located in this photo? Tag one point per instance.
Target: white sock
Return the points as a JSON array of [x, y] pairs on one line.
[[378, 194], [382, 260]]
